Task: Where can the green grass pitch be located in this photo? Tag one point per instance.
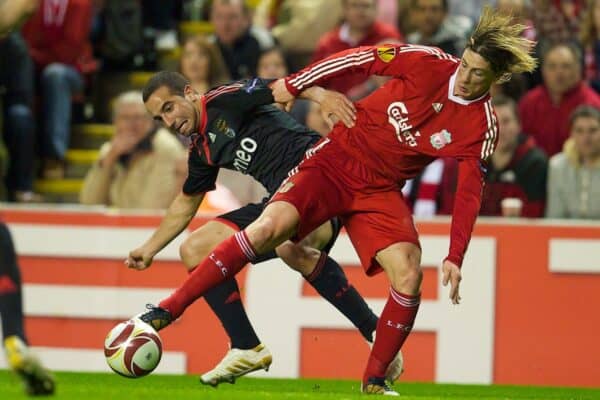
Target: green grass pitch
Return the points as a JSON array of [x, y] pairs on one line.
[[87, 386]]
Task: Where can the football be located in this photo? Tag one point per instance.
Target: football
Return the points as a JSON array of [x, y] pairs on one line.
[[133, 348]]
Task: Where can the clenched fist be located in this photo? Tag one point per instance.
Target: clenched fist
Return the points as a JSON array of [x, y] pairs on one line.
[[139, 259]]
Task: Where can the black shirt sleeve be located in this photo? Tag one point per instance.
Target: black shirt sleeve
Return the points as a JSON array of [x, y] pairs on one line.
[[253, 93], [201, 177]]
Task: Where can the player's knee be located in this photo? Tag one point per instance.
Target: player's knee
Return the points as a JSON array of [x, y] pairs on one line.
[[405, 271], [408, 280], [186, 254], [192, 251], [276, 224], [198, 245], [319, 238], [300, 258], [266, 231]]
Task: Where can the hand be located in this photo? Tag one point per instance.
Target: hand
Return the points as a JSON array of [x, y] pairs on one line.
[[281, 94], [139, 259], [451, 273], [123, 143], [335, 106]]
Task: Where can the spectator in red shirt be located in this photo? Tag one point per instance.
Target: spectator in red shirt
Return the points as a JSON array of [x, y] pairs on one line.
[[545, 109], [57, 35], [517, 169], [359, 28]]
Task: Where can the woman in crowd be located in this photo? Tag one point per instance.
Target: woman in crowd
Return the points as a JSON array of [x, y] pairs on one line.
[[202, 64], [574, 174]]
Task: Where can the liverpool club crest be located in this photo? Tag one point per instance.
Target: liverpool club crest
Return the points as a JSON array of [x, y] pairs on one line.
[[440, 139]]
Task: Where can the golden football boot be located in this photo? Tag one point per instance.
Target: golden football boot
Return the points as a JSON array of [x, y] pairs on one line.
[[377, 386], [37, 380], [238, 363]]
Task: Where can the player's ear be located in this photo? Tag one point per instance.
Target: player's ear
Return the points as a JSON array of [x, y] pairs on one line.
[[189, 93]]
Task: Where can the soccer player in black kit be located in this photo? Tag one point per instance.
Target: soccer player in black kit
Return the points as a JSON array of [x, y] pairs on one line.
[[237, 127]]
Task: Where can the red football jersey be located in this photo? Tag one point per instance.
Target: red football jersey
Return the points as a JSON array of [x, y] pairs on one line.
[[412, 120]]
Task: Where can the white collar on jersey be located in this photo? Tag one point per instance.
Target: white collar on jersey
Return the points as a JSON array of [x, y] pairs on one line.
[[457, 99]]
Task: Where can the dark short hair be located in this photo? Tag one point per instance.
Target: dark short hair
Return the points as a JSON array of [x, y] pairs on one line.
[[242, 3], [444, 4], [174, 81], [277, 50], [584, 111], [573, 48], [500, 100]]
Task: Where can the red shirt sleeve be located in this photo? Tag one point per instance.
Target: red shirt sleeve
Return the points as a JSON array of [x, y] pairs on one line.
[[385, 60], [466, 207]]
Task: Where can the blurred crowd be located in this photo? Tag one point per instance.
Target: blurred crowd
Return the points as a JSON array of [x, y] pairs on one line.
[[547, 162]]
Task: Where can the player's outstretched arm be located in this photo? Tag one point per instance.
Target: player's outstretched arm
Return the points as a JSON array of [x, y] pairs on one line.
[[334, 105], [180, 213], [385, 60], [466, 208], [12, 12]]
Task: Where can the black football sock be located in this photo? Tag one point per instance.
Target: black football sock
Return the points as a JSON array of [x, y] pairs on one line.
[[329, 280], [226, 303], [11, 305]]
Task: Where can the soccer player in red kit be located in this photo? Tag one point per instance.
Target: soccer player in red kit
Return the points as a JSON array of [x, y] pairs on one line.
[[435, 106]]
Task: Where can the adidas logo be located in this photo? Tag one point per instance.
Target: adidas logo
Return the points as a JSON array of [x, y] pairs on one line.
[[437, 107], [212, 137]]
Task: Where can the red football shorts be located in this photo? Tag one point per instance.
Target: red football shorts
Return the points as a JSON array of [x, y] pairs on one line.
[[329, 182]]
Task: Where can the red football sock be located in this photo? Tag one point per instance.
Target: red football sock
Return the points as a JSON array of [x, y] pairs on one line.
[[394, 326], [226, 260]]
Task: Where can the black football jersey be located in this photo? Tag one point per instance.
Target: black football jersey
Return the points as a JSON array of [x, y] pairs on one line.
[[241, 130]]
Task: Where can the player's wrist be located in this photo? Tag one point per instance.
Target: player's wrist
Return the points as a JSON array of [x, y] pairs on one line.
[[293, 91], [149, 250], [315, 93], [454, 259]]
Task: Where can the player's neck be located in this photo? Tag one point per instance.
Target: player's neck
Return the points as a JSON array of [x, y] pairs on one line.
[[198, 111]]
